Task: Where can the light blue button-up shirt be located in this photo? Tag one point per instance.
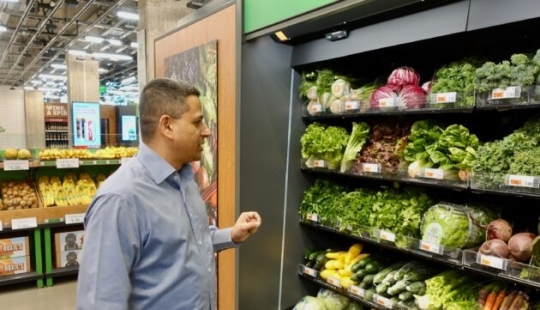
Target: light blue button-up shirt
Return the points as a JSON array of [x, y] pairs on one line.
[[147, 243]]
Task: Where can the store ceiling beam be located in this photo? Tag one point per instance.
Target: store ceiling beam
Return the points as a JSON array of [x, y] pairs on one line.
[[29, 6], [34, 37], [80, 36]]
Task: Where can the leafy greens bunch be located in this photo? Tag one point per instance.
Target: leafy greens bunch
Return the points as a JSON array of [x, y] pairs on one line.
[[457, 77], [520, 70], [328, 143], [517, 153], [399, 211]]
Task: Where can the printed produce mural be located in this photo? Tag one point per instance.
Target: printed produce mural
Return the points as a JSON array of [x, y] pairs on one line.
[[198, 66]]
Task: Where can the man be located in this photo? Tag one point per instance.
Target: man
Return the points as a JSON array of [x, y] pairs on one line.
[[148, 244]]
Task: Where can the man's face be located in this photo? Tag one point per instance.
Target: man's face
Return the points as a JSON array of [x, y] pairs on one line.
[[70, 239], [189, 131]]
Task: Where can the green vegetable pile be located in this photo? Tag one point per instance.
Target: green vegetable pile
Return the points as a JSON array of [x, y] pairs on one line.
[[321, 142], [456, 77], [357, 139], [517, 153], [450, 290], [455, 227], [520, 70], [398, 211], [453, 148]]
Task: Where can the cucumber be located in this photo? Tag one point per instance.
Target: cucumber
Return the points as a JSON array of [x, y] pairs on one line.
[[369, 279], [365, 285], [381, 288], [381, 275], [405, 296], [360, 275], [408, 267], [416, 287], [397, 288], [389, 279], [420, 274], [373, 267], [368, 295]]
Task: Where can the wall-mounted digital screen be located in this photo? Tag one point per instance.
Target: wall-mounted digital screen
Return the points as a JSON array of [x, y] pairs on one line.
[[129, 128], [86, 124]]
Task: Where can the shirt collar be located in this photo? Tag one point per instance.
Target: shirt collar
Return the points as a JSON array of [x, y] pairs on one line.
[[158, 168]]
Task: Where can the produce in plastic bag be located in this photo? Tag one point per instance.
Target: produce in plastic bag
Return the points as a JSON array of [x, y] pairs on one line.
[[455, 226], [333, 300], [310, 303]]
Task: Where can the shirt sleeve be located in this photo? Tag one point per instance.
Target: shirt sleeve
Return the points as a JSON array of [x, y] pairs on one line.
[[221, 238], [112, 241]]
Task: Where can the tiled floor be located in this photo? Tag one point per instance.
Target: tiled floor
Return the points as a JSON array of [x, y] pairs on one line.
[[60, 296]]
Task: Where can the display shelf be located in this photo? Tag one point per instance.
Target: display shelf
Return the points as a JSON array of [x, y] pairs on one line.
[[505, 184], [312, 275], [20, 278], [427, 111], [502, 268], [449, 258], [399, 177], [32, 163], [84, 162], [61, 272], [43, 215], [56, 130]]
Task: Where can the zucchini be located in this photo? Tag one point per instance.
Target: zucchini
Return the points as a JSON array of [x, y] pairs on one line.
[[416, 287], [397, 288], [408, 267], [389, 279], [381, 275], [381, 288], [361, 264], [420, 274], [365, 285], [373, 267], [369, 279]]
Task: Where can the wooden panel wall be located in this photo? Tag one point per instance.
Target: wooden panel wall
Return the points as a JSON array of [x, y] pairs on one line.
[[82, 82], [221, 26], [34, 119], [109, 112]]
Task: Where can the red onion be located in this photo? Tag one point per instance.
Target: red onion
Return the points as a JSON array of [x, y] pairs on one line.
[[383, 92], [499, 229], [403, 76], [495, 247], [520, 246], [412, 97]]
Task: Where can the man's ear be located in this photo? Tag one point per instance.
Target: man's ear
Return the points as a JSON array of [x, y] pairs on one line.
[[165, 126]]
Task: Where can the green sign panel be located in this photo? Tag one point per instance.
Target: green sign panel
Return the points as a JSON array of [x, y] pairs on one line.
[[259, 14]]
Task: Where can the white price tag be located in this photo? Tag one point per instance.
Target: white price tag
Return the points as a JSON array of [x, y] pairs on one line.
[[313, 217], [491, 261], [358, 291], [374, 168], [383, 301], [125, 160], [507, 93], [65, 163], [522, 181], [434, 174], [387, 236], [77, 218], [431, 247], [14, 165], [314, 108], [387, 102], [445, 97], [310, 272], [319, 163], [334, 281], [351, 105], [24, 223]]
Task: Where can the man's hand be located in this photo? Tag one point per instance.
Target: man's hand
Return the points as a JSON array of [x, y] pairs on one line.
[[247, 224]]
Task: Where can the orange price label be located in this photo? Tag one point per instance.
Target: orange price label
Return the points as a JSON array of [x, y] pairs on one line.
[[498, 94], [351, 105], [358, 291], [492, 261], [313, 217], [335, 282], [522, 181], [434, 174], [310, 272]]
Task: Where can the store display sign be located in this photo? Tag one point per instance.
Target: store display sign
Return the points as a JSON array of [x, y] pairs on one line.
[[56, 110], [86, 124], [129, 128], [24, 223]]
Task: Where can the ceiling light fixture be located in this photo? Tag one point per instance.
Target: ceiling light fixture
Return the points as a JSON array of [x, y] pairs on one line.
[[59, 66], [12, 1], [3, 28], [112, 56], [128, 15], [281, 36], [49, 89], [53, 77], [101, 70], [30, 88], [77, 52], [115, 42], [93, 39]]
